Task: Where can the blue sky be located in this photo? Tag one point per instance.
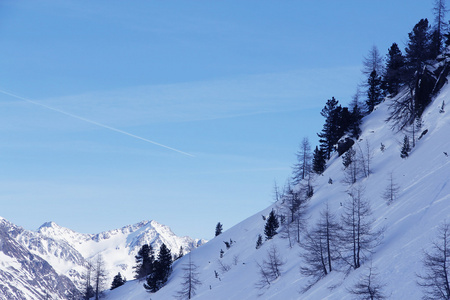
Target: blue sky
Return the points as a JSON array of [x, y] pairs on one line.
[[235, 84]]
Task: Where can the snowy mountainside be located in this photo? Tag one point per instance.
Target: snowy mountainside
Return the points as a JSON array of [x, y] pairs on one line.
[[410, 223], [24, 275]]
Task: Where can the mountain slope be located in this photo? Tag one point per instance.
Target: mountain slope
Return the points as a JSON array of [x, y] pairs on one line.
[[24, 275], [410, 222], [68, 250], [33, 263]]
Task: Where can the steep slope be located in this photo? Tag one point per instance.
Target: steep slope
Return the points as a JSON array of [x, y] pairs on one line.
[[24, 275], [410, 222]]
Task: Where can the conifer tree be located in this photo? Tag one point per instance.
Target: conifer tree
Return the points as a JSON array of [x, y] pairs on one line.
[[331, 129], [395, 70], [144, 261], [117, 281], [270, 229], [418, 48], [219, 229], [319, 161], [259, 241], [406, 148], [162, 268], [356, 116], [374, 92]]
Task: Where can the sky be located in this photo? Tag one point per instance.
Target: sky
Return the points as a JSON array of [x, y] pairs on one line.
[[182, 112]]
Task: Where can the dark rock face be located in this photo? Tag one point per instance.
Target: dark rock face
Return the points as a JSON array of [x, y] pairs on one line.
[[429, 83], [344, 144], [24, 275]]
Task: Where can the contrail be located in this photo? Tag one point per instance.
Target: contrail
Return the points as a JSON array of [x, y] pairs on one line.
[[93, 122]]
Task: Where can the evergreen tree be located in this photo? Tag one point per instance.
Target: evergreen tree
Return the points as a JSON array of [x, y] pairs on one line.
[[270, 229], [356, 116], [395, 70], [406, 148], [418, 48], [219, 229], [117, 281], [144, 261], [374, 92], [162, 268], [319, 161], [259, 241], [331, 128]]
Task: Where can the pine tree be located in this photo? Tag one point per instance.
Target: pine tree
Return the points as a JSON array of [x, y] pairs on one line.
[[395, 70], [117, 281], [406, 148], [356, 116], [162, 268], [319, 161], [144, 261], [259, 241], [270, 229], [418, 48], [219, 229], [374, 92], [331, 129]]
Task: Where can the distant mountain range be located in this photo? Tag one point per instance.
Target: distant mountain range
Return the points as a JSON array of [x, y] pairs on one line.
[[51, 261]]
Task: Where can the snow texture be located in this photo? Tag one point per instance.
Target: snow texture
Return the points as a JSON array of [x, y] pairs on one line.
[[423, 202]]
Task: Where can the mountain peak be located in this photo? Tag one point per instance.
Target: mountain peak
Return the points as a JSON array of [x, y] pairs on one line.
[[49, 224]]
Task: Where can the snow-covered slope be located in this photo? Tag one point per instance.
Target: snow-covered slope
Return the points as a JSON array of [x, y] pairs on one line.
[[410, 223]]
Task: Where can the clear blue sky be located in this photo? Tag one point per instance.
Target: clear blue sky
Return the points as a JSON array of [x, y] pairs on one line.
[[235, 84]]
